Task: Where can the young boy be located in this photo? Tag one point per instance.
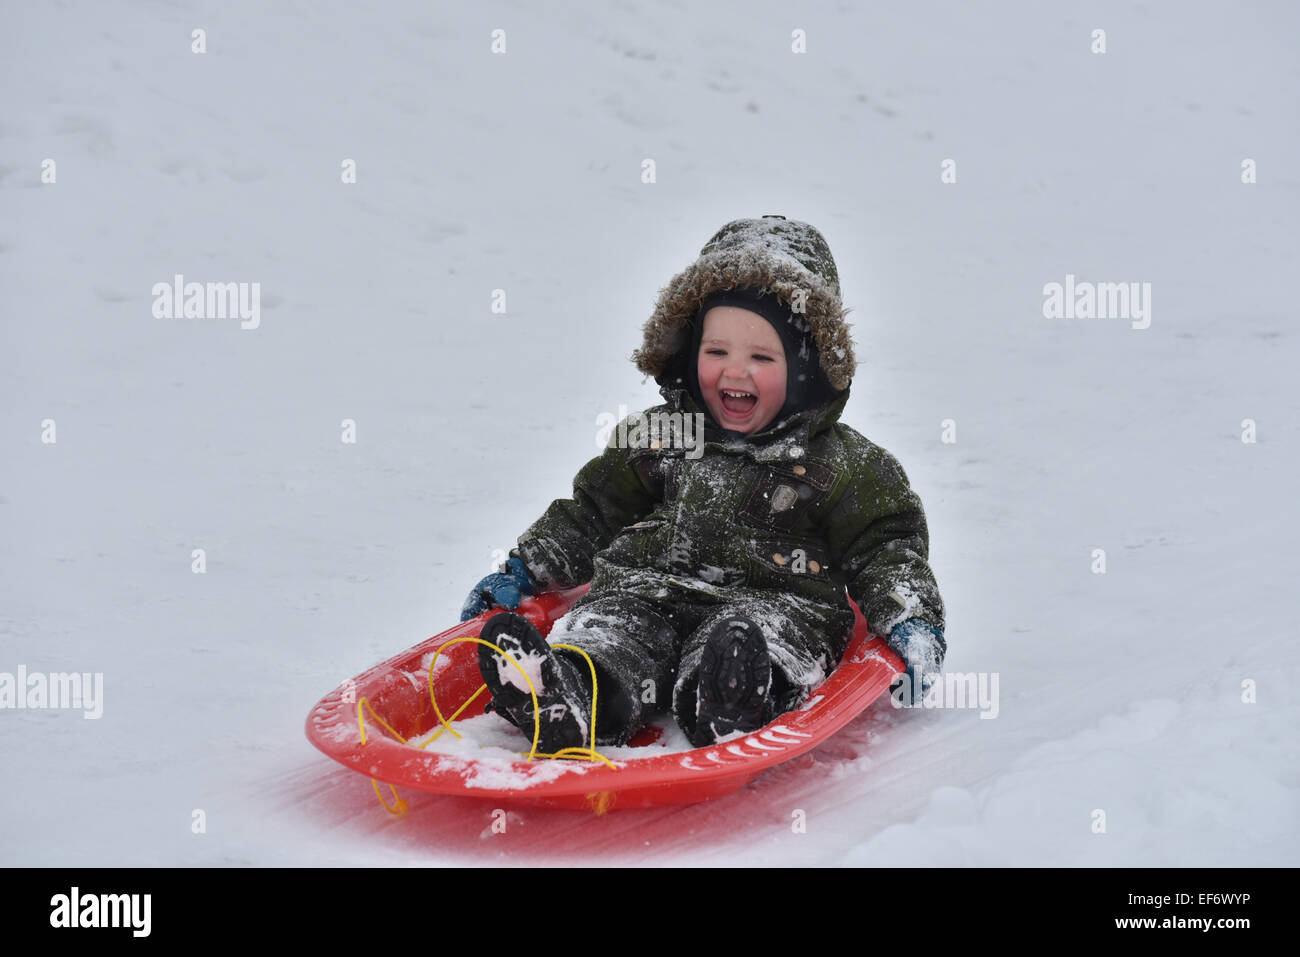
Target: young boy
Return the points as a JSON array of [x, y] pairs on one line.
[[720, 577]]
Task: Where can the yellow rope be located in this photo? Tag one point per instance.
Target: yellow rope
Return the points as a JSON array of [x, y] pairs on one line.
[[366, 703], [591, 752], [537, 718], [600, 802], [399, 806], [468, 701]]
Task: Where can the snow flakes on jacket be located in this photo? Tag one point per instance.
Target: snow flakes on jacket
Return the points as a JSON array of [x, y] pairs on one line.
[[801, 512]]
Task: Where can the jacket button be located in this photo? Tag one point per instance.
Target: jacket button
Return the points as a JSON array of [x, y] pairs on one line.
[[799, 470], [814, 567], [778, 558]]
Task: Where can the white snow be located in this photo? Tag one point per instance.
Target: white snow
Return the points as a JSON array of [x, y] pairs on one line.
[[527, 677], [491, 750], [492, 739], [1160, 693]]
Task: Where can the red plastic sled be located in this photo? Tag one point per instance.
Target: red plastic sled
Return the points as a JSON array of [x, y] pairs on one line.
[[397, 691]]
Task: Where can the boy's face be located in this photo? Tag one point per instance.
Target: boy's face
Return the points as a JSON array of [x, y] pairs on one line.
[[741, 369]]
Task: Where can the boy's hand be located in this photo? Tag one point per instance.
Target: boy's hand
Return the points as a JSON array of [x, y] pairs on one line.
[[921, 646], [504, 589]]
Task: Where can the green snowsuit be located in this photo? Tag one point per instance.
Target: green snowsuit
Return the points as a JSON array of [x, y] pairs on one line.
[[776, 525]]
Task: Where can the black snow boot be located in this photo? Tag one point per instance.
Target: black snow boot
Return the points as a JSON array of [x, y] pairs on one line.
[[564, 699], [735, 682]]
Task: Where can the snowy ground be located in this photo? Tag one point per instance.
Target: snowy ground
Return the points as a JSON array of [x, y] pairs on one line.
[[1120, 692]]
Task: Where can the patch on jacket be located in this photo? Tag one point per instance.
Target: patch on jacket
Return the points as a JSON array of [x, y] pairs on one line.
[[783, 498]]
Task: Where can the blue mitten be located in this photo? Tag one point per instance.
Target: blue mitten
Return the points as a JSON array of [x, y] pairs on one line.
[[921, 646], [504, 589]]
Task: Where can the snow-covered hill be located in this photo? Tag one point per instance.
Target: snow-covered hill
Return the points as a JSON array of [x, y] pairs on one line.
[[1120, 692]]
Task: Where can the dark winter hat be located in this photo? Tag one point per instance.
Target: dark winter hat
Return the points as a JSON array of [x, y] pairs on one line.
[[771, 254], [806, 384]]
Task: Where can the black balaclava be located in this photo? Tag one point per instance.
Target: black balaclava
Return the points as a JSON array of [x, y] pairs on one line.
[[805, 384]]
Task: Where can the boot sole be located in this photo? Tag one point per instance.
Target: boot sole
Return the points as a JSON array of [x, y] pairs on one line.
[[515, 633], [735, 678]]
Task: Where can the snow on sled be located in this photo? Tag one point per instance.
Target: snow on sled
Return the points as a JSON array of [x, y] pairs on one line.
[[390, 724]]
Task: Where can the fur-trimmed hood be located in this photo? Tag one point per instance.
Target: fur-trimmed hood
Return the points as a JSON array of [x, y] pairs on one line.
[[773, 253]]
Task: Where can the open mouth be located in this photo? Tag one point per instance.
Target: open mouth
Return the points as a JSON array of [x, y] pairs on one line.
[[737, 403]]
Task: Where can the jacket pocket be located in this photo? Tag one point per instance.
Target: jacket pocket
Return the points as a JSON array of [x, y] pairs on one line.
[[791, 557], [782, 495]]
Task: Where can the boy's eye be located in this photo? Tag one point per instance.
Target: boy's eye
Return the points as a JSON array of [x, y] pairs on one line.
[[715, 351]]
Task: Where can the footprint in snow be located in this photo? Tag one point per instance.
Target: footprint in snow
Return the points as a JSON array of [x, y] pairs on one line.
[[96, 135]]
